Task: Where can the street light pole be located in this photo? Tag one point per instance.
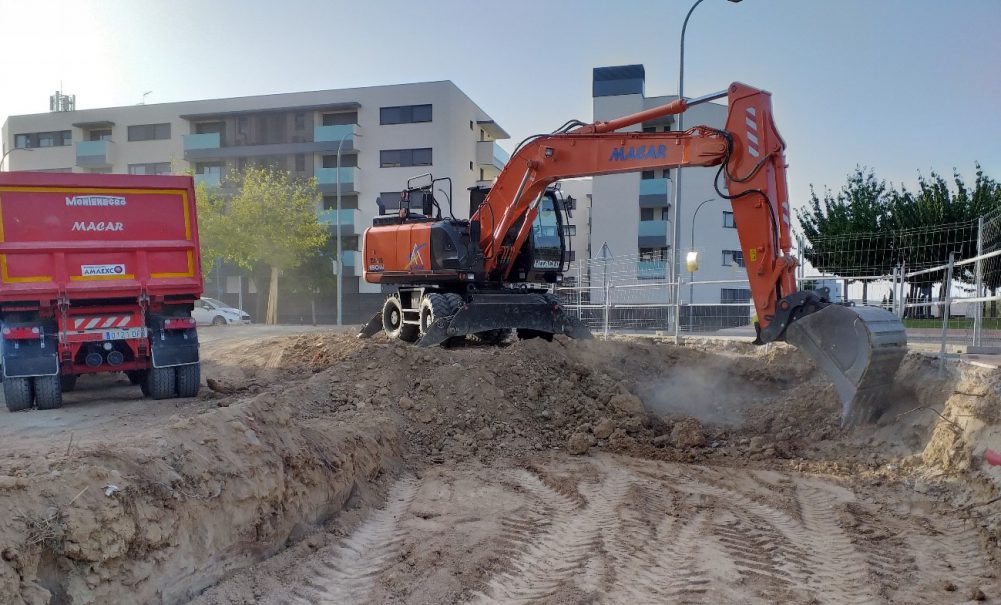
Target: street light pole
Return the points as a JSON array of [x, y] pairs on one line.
[[340, 262], [691, 274], [677, 185], [9, 151]]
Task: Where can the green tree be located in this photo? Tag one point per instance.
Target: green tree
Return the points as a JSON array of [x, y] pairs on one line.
[[268, 222], [846, 230]]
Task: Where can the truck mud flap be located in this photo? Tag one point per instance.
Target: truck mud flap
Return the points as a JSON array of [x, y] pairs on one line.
[[860, 349], [485, 312], [31, 357], [170, 348]]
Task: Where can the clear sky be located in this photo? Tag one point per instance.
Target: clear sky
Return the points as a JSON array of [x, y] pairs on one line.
[[898, 85]]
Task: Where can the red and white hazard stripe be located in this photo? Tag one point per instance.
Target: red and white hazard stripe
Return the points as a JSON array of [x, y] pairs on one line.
[[104, 322]]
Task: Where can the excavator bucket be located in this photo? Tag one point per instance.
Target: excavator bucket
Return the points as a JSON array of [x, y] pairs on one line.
[[860, 349], [484, 312]]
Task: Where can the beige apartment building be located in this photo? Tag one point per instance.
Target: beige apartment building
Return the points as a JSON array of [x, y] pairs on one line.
[[385, 134]]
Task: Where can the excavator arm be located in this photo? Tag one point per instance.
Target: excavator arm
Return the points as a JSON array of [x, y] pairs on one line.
[[859, 349], [749, 151]]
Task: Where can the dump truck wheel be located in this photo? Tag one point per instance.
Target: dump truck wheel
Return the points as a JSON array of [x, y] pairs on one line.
[[188, 380], [18, 393], [48, 392], [392, 321], [67, 382], [160, 383]]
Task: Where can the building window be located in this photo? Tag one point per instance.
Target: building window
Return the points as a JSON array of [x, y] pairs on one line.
[[100, 134], [728, 220], [241, 124], [653, 254], [392, 158], [340, 119], [389, 200], [153, 168], [300, 162], [646, 214], [470, 165], [149, 132], [470, 124], [208, 168], [347, 161], [300, 120], [404, 114], [734, 295], [57, 138], [733, 257], [665, 213], [646, 175], [348, 201]]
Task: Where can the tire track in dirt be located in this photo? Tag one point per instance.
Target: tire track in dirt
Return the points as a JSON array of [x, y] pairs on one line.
[[346, 573], [553, 558]]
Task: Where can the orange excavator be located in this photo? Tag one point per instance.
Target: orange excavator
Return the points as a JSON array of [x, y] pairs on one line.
[[492, 274]]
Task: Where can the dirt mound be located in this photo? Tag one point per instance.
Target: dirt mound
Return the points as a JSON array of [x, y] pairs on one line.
[[315, 421]]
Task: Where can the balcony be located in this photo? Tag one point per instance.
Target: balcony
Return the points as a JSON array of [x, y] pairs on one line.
[[651, 269], [327, 179], [653, 234], [95, 154], [349, 220], [209, 179], [654, 193], [490, 154], [334, 134]]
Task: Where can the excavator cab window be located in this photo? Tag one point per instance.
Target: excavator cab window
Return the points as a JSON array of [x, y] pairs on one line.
[[547, 236]]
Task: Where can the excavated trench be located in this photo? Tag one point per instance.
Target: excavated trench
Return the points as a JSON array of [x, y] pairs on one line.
[[329, 470]]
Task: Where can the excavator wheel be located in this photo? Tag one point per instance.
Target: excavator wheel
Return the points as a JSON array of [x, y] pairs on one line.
[[392, 321]]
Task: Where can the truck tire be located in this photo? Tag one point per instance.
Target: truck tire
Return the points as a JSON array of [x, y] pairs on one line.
[[160, 383], [392, 321], [48, 392], [68, 382], [188, 380], [18, 393], [136, 376]]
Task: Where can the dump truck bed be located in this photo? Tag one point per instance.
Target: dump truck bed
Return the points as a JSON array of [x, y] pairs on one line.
[[87, 236]]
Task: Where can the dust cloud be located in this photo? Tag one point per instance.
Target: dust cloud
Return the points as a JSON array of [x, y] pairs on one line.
[[711, 394]]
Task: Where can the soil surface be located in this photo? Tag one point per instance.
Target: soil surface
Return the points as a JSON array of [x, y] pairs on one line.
[[317, 468]]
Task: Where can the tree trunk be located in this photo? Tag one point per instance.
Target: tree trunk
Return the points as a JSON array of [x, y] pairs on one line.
[[272, 312]]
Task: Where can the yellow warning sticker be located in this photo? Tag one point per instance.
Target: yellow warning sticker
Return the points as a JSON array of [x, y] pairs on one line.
[[754, 254]]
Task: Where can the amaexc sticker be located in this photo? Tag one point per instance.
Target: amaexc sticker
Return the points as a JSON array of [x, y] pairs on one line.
[[90, 270]]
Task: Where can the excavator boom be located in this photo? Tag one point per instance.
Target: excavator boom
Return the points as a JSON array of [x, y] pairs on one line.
[[859, 348]]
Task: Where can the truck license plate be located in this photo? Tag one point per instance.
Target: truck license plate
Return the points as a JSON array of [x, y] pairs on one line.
[[125, 333]]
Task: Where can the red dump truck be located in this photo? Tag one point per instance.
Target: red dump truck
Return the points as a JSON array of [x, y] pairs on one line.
[[98, 273]]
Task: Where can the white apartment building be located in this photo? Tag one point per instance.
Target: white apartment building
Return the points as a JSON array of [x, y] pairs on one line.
[[631, 213], [386, 135]]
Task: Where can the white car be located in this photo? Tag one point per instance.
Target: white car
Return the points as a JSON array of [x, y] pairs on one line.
[[217, 313]]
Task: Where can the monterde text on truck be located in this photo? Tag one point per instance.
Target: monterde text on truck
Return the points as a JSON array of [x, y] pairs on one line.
[[99, 273]]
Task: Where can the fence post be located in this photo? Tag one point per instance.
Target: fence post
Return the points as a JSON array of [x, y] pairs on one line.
[[580, 291], [902, 295], [978, 313], [947, 285], [608, 303]]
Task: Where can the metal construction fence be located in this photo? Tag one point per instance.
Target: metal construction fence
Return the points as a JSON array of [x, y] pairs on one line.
[[943, 282]]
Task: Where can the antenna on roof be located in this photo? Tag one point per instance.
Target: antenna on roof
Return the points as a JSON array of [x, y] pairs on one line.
[[148, 92], [61, 102]]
